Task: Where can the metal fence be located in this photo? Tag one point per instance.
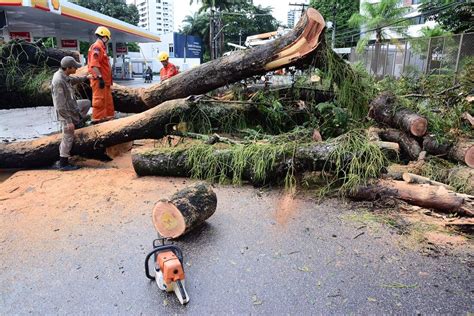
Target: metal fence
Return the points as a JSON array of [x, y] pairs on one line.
[[435, 55]]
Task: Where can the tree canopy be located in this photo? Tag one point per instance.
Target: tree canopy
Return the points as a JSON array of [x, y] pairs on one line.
[[343, 10], [239, 21], [455, 16], [114, 8], [376, 18]]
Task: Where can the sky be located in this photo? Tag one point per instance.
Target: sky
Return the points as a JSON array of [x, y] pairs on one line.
[[182, 8]]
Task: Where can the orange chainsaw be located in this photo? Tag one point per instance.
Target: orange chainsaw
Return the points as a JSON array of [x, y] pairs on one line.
[[169, 271]]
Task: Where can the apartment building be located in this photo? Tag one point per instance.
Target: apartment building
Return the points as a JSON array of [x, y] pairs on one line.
[[294, 13], [157, 16]]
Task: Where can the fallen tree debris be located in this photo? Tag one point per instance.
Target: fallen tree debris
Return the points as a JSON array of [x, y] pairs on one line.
[[382, 110], [424, 195], [184, 211]]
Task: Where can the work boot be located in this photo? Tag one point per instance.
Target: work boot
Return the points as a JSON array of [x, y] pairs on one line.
[[64, 164]]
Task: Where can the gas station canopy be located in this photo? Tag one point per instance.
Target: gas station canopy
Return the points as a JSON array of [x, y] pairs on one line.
[[63, 19]]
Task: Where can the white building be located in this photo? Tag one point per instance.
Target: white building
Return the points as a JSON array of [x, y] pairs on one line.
[[157, 16], [294, 13], [416, 23]]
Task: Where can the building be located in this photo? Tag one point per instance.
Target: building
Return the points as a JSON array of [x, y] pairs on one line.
[[185, 51], [156, 16], [295, 11], [417, 22]]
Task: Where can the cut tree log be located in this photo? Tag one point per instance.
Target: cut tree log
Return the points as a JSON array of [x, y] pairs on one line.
[[304, 45], [424, 195], [382, 110], [414, 178], [462, 151], [408, 144], [184, 211]]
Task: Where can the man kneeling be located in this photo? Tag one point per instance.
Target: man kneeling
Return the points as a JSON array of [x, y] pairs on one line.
[[71, 113]]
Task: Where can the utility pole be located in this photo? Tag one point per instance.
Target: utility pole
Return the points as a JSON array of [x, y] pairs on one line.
[[334, 11]]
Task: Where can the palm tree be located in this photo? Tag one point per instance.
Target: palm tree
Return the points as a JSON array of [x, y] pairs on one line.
[[375, 18]]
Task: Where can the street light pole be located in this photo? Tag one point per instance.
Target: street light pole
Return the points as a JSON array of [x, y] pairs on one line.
[[333, 37]]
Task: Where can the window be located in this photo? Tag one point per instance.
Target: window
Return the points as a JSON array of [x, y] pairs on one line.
[[171, 48]]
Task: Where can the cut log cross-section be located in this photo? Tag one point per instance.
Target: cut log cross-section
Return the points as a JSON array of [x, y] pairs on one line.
[[382, 110], [184, 211], [462, 150]]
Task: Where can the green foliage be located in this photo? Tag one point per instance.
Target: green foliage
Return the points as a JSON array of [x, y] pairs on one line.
[[276, 115], [230, 164], [114, 8], [356, 161], [241, 18], [377, 16], [330, 119], [206, 117], [354, 88], [441, 106], [452, 15], [220, 5], [343, 10], [466, 78]]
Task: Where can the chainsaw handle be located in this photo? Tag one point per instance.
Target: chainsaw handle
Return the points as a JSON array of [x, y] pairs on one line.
[[173, 248]]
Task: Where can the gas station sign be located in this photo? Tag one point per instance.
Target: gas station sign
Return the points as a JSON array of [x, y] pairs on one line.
[[21, 35], [69, 43], [121, 49]]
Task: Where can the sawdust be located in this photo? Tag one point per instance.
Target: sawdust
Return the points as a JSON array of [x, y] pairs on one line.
[[286, 208]]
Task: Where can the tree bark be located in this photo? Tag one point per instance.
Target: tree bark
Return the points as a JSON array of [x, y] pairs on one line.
[[92, 141], [408, 144], [184, 211], [462, 151], [414, 178], [424, 195], [382, 111]]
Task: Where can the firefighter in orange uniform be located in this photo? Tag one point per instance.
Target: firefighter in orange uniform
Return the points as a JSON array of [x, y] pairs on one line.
[[99, 68], [169, 70]]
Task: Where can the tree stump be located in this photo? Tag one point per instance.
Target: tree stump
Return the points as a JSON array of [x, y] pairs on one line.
[[185, 210]]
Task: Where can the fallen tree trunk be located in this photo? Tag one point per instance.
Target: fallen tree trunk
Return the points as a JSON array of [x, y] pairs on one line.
[[302, 46], [184, 211], [93, 141], [424, 195], [462, 151], [174, 162], [382, 110]]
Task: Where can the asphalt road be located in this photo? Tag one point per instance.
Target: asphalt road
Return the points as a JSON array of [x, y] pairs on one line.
[[258, 254]]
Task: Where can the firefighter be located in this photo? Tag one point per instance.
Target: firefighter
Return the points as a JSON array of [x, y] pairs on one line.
[[169, 70], [100, 70]]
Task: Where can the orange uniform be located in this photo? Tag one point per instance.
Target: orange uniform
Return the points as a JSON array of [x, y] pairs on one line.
[[169, 71], [102, 102]]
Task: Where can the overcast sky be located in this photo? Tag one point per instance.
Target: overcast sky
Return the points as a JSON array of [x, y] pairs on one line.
[[182, 8]]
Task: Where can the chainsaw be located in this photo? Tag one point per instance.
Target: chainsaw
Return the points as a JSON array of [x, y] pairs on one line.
[[169, 271]]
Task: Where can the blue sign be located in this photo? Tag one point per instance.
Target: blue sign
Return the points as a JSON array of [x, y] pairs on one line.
[[192, 44]]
